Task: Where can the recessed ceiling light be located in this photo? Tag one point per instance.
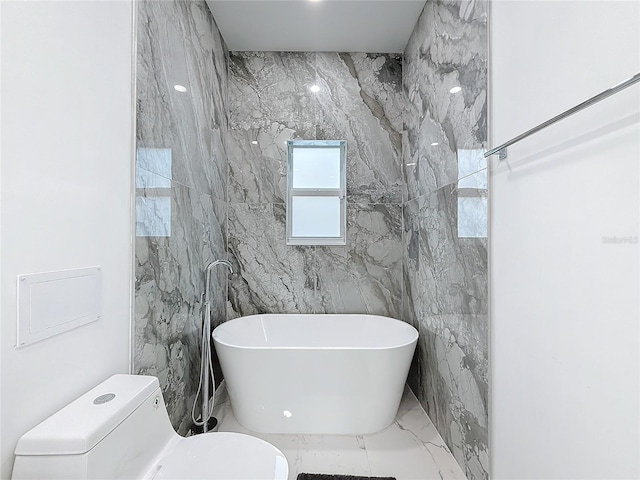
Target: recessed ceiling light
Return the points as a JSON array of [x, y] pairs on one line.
[[254, 142], [411, 164], [314, 88], [180, 88], [455, 89], [435, 143]]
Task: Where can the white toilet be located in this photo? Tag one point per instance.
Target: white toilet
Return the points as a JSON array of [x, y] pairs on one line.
[[121, 430]]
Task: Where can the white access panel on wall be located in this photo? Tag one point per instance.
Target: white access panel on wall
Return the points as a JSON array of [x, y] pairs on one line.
[[55, 302]]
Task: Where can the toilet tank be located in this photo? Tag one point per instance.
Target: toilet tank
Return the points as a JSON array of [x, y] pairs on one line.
[[114, 431]]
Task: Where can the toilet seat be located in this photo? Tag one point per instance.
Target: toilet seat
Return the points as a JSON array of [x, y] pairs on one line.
[[228, 456]]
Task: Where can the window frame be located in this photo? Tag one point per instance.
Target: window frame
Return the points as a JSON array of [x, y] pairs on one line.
[[340, 193]]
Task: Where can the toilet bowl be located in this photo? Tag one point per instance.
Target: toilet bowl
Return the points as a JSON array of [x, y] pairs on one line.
[[120, 430]]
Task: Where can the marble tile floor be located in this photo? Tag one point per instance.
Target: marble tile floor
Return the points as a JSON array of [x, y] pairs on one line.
[[409, 449]]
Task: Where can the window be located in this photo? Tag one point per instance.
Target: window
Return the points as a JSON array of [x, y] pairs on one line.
[[153, 192], [316, 192], [472, 194]]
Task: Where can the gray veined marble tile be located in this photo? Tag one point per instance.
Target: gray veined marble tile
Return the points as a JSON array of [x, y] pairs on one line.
[[380, 78], [445, 288], [412, 292], [213, 59], [258, 163], [184, 166], [214, 248], [445, 295], [176, 41], [219, 164], [453, 268], [271, 277], [441, 163], [360, 101], [437, 162], [169, 287], [448, 48], [268, 87], [220, 79], [366, 275], [454, 386], [410, 164], [411, 261], [270, 104], [411, 118]]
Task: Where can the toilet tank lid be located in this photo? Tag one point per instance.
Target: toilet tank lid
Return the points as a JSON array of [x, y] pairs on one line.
[[79, 426]]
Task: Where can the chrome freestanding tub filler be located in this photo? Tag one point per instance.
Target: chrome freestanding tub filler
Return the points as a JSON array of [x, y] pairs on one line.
[[331, 374]]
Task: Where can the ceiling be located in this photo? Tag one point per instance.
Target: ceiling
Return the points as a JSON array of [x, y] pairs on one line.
[[380, 26]]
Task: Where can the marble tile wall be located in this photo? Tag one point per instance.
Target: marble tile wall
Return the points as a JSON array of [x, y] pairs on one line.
[[360, 101], [181, 184], [445, 289]]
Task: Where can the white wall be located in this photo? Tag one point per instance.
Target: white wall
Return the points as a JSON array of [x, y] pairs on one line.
[[66, 193], [564, 332]]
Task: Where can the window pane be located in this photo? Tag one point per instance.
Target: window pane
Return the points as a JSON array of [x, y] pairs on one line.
[[472, 169], [153, 168], [153, 216], [316, 167], [472, 217], [315, 217]]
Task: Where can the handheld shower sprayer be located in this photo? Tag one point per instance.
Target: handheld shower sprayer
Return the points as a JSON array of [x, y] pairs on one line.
[[206, 361]]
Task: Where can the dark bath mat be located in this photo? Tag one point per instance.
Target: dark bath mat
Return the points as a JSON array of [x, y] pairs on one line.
[[324, 476]]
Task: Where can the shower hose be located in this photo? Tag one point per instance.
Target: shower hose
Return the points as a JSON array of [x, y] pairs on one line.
[[206, 366]]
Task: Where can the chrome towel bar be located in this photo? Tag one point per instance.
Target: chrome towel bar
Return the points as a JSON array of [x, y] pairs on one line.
[[502, 149]]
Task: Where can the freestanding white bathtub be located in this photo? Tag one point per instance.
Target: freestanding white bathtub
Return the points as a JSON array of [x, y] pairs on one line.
[[340, 374]]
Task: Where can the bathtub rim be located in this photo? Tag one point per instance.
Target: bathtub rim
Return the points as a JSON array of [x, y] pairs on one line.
[[414, 340]]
